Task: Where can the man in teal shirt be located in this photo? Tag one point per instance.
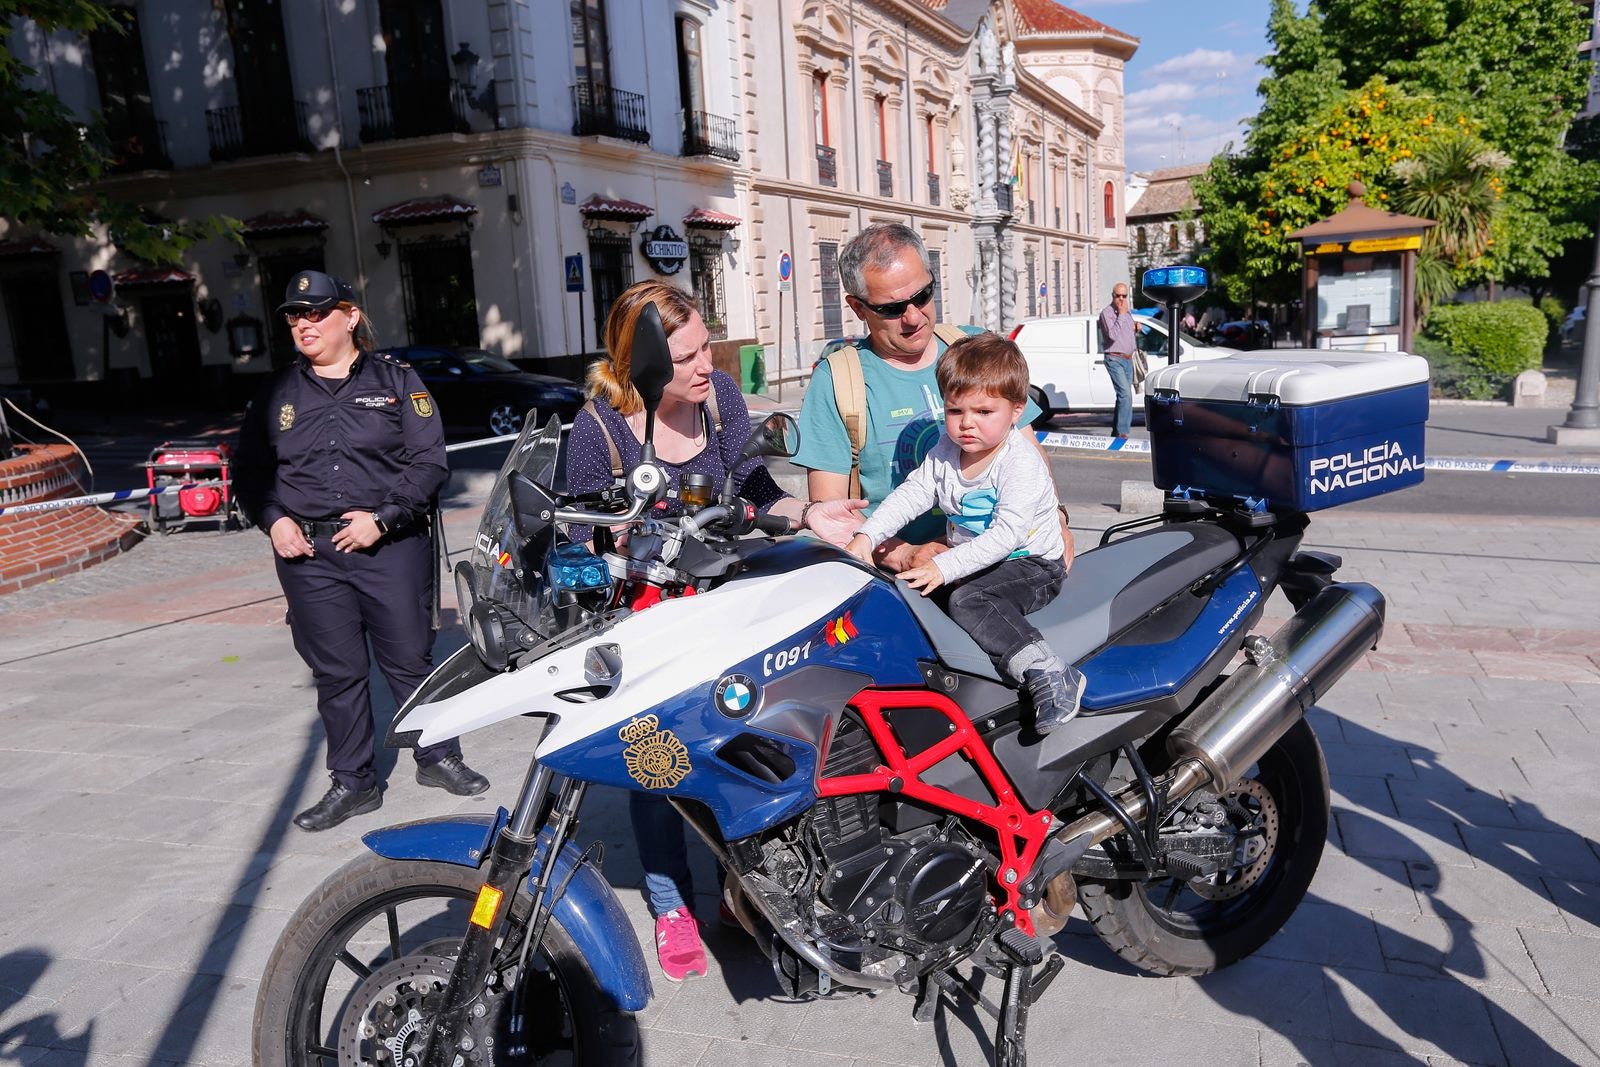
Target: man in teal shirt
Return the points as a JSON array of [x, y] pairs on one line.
[[889, 284]]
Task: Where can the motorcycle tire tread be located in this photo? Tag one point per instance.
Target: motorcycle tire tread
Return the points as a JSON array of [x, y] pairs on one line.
[[614, 1033]]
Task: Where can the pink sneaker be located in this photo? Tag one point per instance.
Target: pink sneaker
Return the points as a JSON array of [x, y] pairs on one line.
[[678, 946]]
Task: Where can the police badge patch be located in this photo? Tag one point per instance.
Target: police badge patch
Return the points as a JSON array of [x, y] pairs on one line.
[[422, 403], [655, 758], [286, 416]]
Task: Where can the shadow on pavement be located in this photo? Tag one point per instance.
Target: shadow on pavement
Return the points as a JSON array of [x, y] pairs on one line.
[[20, 970]]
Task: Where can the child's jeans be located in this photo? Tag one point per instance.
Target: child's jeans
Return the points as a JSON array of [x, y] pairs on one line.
[[990, 605]]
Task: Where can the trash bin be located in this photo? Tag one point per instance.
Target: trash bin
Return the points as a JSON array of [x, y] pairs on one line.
[[752, 370]]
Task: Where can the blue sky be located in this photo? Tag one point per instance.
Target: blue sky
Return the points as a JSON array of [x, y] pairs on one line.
[[1194, 77]]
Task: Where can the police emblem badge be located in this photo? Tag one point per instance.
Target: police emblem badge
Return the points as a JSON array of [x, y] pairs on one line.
[[655, 758], [286, 416], [422, 403], [305, 282]]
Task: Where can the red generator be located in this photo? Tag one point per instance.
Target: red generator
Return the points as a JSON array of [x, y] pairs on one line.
[[181, 462]]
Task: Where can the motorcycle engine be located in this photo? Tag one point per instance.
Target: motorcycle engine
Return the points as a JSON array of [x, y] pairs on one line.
[[923, 892]]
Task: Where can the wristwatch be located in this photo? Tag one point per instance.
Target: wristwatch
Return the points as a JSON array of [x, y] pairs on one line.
[[383, 527]]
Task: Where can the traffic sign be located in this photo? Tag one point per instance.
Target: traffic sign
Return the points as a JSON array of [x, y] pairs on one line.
[[100, 286], [575, 274], [785, 272]]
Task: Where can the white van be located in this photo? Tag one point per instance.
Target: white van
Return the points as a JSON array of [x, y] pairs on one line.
[[1067, 370]]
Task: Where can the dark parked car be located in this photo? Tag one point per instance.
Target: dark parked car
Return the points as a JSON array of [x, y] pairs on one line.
[[480, 391]]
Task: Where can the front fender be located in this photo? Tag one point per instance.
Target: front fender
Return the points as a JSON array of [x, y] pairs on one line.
[[588, 911]]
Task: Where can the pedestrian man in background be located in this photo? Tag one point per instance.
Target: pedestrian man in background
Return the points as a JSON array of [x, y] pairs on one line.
[[340, 459], [1117, 343]]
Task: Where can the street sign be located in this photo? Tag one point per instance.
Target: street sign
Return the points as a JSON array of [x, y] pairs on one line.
[[575, 274], [785, 272], [100, 286]]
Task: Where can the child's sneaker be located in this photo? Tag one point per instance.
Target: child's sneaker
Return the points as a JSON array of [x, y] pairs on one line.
[[678, 946], [1055, 696]]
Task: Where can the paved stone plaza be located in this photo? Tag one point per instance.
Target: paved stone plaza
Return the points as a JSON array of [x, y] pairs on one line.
[[157, 732]]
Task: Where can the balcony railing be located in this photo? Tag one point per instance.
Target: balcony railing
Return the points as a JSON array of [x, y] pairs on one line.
[[710, 135], [412, 109], [933, 189], [885, 178], [1002, 197], [827, 165], [139, 144], [608, 112], [269, 133]]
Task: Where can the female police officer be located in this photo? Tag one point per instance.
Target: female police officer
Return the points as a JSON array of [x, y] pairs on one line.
[[340, 458]]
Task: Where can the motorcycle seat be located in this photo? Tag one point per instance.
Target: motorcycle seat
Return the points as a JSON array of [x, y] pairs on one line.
[[1108, 589]]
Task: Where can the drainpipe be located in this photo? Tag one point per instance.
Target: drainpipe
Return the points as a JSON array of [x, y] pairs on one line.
[[338, 155]]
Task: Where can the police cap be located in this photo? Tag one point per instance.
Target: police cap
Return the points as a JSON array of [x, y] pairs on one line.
[[312, 290]]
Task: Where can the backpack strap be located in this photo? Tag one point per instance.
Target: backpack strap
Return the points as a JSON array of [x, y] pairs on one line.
[[949, 334], [611, 445], [711, 409], [850, 395]]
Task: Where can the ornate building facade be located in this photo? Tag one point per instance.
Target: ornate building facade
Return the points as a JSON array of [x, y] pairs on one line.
[[469, 170]]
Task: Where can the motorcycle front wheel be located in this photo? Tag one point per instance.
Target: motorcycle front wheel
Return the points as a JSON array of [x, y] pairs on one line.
[[364, 961], [1174, 927]]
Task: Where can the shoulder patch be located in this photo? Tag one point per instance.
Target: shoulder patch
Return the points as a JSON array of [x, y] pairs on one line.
[[422, 404], [392, 360]]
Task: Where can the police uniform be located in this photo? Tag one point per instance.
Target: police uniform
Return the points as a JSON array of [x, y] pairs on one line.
[[313, 448]]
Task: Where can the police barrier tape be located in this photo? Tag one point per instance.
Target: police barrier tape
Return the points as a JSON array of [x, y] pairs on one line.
[[1100, 443], [102, 498], [1082, 441]]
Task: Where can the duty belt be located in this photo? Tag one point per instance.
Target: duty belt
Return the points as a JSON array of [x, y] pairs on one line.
[[321, 527]]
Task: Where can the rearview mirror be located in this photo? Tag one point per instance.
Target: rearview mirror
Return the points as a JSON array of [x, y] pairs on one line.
[[776, 435], [650, 359]]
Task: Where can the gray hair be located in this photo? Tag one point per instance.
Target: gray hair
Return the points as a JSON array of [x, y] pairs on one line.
[[876, 247]]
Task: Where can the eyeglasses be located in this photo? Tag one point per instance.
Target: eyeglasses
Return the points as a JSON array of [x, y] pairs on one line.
[[1119, 296], [895, 308], [310, 314]]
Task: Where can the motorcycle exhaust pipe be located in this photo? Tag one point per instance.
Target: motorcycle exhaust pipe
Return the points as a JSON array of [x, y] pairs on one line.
[[1284, 678]]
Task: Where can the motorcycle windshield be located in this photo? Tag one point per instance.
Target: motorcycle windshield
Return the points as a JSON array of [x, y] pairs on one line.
[[501, 570]]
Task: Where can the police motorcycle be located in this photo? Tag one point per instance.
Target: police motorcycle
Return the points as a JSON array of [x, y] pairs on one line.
[[885, 814]]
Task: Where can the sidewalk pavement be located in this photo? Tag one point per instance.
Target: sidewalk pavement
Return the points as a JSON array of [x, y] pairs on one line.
[[158, 732]]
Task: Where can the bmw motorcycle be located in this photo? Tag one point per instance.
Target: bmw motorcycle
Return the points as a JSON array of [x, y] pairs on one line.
[[886, 815]]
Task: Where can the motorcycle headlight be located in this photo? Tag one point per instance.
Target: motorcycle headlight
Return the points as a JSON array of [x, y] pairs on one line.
[[574, 569]]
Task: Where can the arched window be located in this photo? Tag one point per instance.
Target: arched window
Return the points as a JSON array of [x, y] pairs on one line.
[[1111, 207]]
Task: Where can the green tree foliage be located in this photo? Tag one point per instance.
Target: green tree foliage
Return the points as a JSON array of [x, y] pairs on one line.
[[52, 161], [1477, 349], [1505, 71], [1454, 180]]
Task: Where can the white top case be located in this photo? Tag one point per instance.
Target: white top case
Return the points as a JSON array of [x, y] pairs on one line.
[[1296, 377]]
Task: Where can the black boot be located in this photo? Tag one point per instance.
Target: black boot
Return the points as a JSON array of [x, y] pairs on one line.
[[338, 804], [453, 775]]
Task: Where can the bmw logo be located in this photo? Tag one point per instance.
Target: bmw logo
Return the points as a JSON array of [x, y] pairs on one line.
[[736, 695]]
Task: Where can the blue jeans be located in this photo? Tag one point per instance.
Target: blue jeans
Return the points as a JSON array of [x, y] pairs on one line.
[[658, 831], [991, 604], [1121, 370]]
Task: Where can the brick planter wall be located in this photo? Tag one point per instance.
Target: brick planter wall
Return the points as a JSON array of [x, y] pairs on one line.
[[38, 546]]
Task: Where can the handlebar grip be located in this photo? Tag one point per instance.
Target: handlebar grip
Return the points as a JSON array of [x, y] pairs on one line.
[[775, 525]]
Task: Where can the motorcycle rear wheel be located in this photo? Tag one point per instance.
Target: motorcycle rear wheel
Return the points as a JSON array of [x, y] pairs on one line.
[[374, 912], [1167, 927]]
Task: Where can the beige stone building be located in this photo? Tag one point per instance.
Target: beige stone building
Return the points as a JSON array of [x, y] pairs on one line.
[[455, 160]]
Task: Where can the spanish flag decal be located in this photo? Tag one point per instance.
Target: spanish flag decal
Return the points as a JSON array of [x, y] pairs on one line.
[[840, 631]]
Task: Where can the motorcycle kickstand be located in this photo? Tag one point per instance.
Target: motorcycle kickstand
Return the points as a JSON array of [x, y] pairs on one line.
[[1011, 1035]]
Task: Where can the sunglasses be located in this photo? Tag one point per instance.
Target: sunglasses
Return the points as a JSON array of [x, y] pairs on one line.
[[310, 315], [895, 308]]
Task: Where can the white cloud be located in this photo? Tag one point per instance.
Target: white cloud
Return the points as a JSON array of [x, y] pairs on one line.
[[1162, 93], [1202, 62]]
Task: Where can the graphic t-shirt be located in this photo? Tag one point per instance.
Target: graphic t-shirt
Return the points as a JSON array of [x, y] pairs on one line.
[[905, 419]]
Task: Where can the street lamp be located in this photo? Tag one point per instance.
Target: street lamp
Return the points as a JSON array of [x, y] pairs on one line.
[[466, 63], [1583, 421]]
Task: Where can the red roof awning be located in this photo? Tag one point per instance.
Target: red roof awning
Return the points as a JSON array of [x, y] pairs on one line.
[[599, 207], [424, 209], [32, 246], [706, 219], [273, 222], [128, 279]]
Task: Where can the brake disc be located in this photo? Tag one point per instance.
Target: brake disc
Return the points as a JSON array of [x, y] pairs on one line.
[[1257, 840], [384, 1021]]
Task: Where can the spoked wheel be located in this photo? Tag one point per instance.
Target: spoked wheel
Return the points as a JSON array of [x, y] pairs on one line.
[[363, 964], [1172, 927], [506, 418]]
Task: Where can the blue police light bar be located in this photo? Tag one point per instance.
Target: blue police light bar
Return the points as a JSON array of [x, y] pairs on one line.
[[1178, 284]]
